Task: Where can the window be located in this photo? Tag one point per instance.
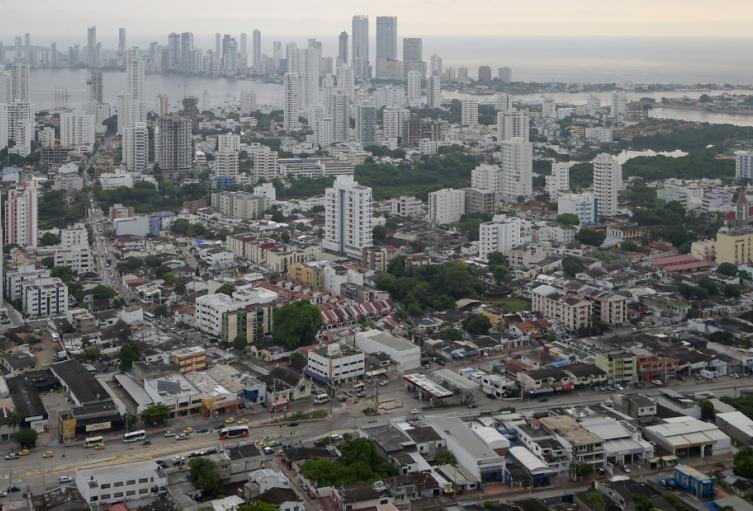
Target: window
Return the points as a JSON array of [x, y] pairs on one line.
[[105, 486], [130, 493], [118, 484], [144, 480], [118, 494], [131, 482], [142, 491], [106, 496]]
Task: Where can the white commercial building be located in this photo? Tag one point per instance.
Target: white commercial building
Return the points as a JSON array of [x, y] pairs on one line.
[[446, 206], [607, 183], [393, 118], [44, 297], [743, 163], [469, 112], [559, 180], [413, 89], [119, 483], [292, 101], [347, 218], [502, 235], [470, 451], [433, 92], [487, 177], [136, 152], [74, 236], [120, 177], [248, 102], [77, 130], [401, 351], [210, 309], [686, 436], [584, 205], [503, 102], [78, 259], [512, 125], [517, 169], [131, 226], [336, 364]]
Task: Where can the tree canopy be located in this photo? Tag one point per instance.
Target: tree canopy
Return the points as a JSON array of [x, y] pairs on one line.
[[360, 463], [297, 323], [129, 353], [590, 237], [205, 476], [477, 324]]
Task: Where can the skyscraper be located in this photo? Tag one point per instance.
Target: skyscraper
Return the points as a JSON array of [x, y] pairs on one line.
[[469, 112], [436, 65], [342, 48], [512, 125], [4, 126], [413, 89], [310, 60], [393, 119], [504, 74], [347, 218], [503, 102], [53, 54], [338, 108], [135, 113], [19, 83], [484, 74], [121, 42], [366, 124], [360, 58], [91, 44], [607, 183], [21, 216], [95, 87], [257, 51], [517, 169], [77, 130], [174, 152], [386, 37], [185, 56], [433, 92], [346, 81], [277, 55], [291, 88], [244, 51], [137, 147], [248, 102], [413, 56]]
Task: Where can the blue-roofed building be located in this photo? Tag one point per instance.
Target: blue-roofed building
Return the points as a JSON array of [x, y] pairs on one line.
[[693, 481], [157, 220]]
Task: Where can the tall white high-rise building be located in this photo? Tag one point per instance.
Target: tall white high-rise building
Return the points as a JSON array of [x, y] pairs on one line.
[[229, 141], [618, 103], [135, 110], [584, 205], [607, 183], [743, 163], [435, 65], [248, 102], [434, 92], [503, 102], [244, 50], [413, 88], [291, 88], [549, 109], [347, 218], [137, 147], [503, 234], [21, 127], [360, 53], [446, 206], [311, 58], [21, 216], [342, 48], [517, 169], [173, 148], [91, 46], [338, 108], [393, 118], [121, 42], [346, 81], [512, 125], [4, 126], [386, 37], [226, 166], [365, 124], [487, 177], [20, 83], [256, 51], [558, 182], [469, 112], [77, 130]]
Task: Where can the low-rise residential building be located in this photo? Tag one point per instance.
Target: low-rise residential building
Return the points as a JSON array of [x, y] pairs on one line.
[[121, 483], [735, 246], [189, 359], [619, 366], [586, 448]]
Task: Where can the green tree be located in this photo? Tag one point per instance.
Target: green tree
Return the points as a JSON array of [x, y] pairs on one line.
[[595, 499], [496, 259], [643, 503], [258, 506], [450, 334], [129, 353], [707, 410], [568, 219], [445, 457], [744, 462], [297, 323], [101, 292], [731, 291], [240, 343], [727, 269], [227, 289], [49, 239], [26, 438], [205, 476], [131, 420], [155, 415], [92, 354], [477, 324], [161, 311], [590, 237], [379, 234], [572, 265]]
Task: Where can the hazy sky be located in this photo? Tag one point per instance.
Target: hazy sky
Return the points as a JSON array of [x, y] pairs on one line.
[[68, 19]]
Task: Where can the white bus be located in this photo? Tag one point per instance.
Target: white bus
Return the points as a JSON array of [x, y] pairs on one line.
[[134, 436], [358, 387], [93, 441], [321, 399], [233, 432]]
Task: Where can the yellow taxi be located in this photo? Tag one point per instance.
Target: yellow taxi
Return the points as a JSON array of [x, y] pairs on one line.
[[99, 447], [48, 454], [230, 420], [188, 430], [24, 452], [242, 421]]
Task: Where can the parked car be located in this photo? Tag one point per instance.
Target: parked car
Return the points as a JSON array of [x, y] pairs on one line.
[[182, 436], [268, 451], [203, 430], [416, 411], [12, 456], [65, 479], [384, 383], [169, 434], [48, 454]]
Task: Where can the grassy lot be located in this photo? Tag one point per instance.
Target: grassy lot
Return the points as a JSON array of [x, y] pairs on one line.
[[511, 304]]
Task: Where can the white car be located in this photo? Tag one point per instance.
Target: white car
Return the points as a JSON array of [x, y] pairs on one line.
[[169, 434], [65, 479], [416, 411]]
